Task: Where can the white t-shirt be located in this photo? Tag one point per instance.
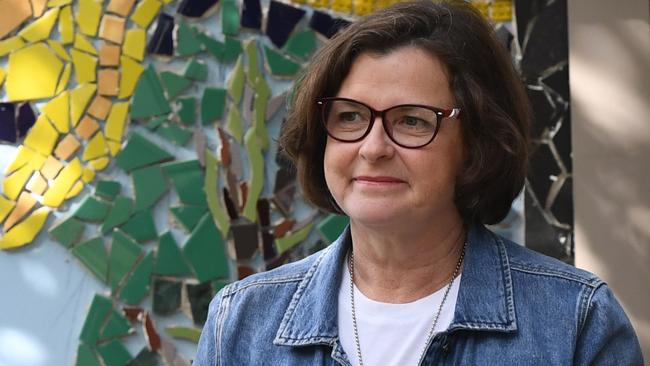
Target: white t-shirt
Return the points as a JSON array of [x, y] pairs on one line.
[[390, 334]]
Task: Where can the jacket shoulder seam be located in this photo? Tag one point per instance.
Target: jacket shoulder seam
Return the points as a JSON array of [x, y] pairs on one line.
[[265, 281], [592, 282]]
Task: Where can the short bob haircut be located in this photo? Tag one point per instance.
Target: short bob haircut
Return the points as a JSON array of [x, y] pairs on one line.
[[495, 111]]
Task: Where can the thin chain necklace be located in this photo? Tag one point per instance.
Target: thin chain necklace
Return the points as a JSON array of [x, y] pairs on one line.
[[435, 319]]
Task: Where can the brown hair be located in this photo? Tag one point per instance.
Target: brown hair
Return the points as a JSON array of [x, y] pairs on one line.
[[495, 111]]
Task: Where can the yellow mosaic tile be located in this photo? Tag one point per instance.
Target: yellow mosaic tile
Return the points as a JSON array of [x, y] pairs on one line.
[[38, 6], [318, 3], [100, 107], [42, 136], [145, 12], [13, 184], [112, 28], [363, 7], [134, 43], [58, 111], [114, 147], [25, 156], [59, 49], [343, 6], [83, 44], [24, 204], [109, 55], [65, 77], [62, 184], [96, 147], [67, 147], [13, 14], [116, 121], [53, 3], [40, 28], [37, 184], [120, 7], [87, 127], [10, 44], [88, 14], [131, 71], [75, 190], [79, 99], [84, 66], [66, 25], [87, 175], [99, 164], [33, 73], [51, 168], [501, 11], [26, 231], [5, 207], [2, 76], [108, 82]]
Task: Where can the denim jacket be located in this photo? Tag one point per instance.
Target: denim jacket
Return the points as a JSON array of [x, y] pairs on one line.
[[514, 307]]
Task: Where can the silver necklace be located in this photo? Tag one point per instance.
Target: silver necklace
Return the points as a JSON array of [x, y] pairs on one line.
[[435, 319]]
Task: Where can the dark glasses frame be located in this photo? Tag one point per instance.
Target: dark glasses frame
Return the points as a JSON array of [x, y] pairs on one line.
[[439, 112]]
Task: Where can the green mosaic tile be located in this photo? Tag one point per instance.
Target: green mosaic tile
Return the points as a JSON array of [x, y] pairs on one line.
[[233, 123], [212, 193], [154, 123], [141, 226], [124, 254], [137, 286], [97, 313], [187, 177], [149, 185], [116, 326], [196, 70], [187, 110], [232, 50], [174, 83], [187, 42], [257, 174], [291, 240], [119, 214], [188, 216], [149, 98], [67, 232], [140, 152], [279, 65], [236, 81], [107, 189], [301, 44], [262, 94], [92, 209], [213, 46], [199, 297], [212, 105], [332, 226], [250, 48], [186, 333], [217, 285], [145, 358], [175, 134], [169, 258], [166, 296], [93, 255], [204, 250], [229, 17], [86, 356], [114, 353]]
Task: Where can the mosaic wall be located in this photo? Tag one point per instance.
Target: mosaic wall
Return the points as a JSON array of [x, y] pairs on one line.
[[145, 134]]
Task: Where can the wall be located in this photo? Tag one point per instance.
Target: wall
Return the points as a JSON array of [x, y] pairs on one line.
[[609, 54]]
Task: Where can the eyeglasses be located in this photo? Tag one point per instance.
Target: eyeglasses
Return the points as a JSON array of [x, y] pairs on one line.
[[407, 125]]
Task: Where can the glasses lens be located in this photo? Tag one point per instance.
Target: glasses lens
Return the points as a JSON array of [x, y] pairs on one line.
[[346, 120], [411, 125]]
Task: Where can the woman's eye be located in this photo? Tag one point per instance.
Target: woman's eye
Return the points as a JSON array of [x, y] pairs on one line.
[[349, 116], [413, 122]]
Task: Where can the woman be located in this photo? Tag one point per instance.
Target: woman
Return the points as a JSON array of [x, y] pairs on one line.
[[413, 123]]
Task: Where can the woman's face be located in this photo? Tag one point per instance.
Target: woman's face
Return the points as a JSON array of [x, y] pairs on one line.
[[377, 182]]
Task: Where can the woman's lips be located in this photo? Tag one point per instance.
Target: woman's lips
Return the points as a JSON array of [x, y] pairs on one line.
[[378, 180]]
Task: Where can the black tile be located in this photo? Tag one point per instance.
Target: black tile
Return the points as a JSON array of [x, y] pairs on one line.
[[199, 297], [546, 42], [245, 237], [264, 212], [162, 41], [251, 16], [544, 112], [284, 177], [542, 166], [145, 358], [8, 122], [562, 207], [324, 24], [196, 8], [542, 237], [525, 12], [281, 19], [562, 141], [166, 296], [559, 82], [267, 245], [25, 119], [230, 205]]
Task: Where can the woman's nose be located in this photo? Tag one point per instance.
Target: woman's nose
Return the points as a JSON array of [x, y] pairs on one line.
[[377, 144]]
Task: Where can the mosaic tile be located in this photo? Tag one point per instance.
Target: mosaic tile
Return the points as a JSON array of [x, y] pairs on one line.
[[67, 147], [3, 75], [166, 296], [51, 167], [283, 227], [114, 353], [290, 240], [257, 174], [200, 144], [130, 75], [124, 254], [199, 296], [145, 358], [186, 333], [196, 70], [75, 190], [42, 137], [229, 17], [213, 46], [145, 12], [82, 43], [62, 184], [274, 105], [92, 209], [66, 25], [188, 216], [332, 226], [245, 237], [100, 107], [140, 152], [119, 214], [37, 184], [149, 99], [301, 44], [133, 313], [134, 43], [107, 189], [38, 7], [186, 176], [19, 11], [196, 8], [212, 105], [87, 175], [235, 82], [120, 7], [169, 258], [86, 356], [253, 69], [25, 156], [84, 66], [162, 41], [204, 250], [325, 24], [141, 226], [278, 65], [224, 148], [112, 28], [149, 185], [53, 3], [5, 207], [65, 78], [67, 232], [58, 111], [345, 6], [233, 123], [109, 55], [150, 334], [93, 255], [8, 122], [13, 184], [232, 49], [174, 84], [137, 286], [187, 41], [25, 119], [175, 134], [33, 73], [212, 196], [251, 16], [116, 325], [281, 20], [59, 49], [40, 28], [244, 271], [99, 164], [25, 232], [114, 147], [187, 110], [87, 17], [108, 82], [116, 121], [86, 128], [10, 44], [95, 148], [23, 205], [100, 308], [79, 99]]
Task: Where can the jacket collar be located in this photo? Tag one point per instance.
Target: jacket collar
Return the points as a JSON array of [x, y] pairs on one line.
[[485, 299]]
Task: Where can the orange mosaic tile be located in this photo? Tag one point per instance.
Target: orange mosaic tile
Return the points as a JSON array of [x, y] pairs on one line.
[[109, 82], [87, 127], [24, 204], [51, 168], [109, 55], [67, 147], [120, 7], [112, 28], [99, 107]]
